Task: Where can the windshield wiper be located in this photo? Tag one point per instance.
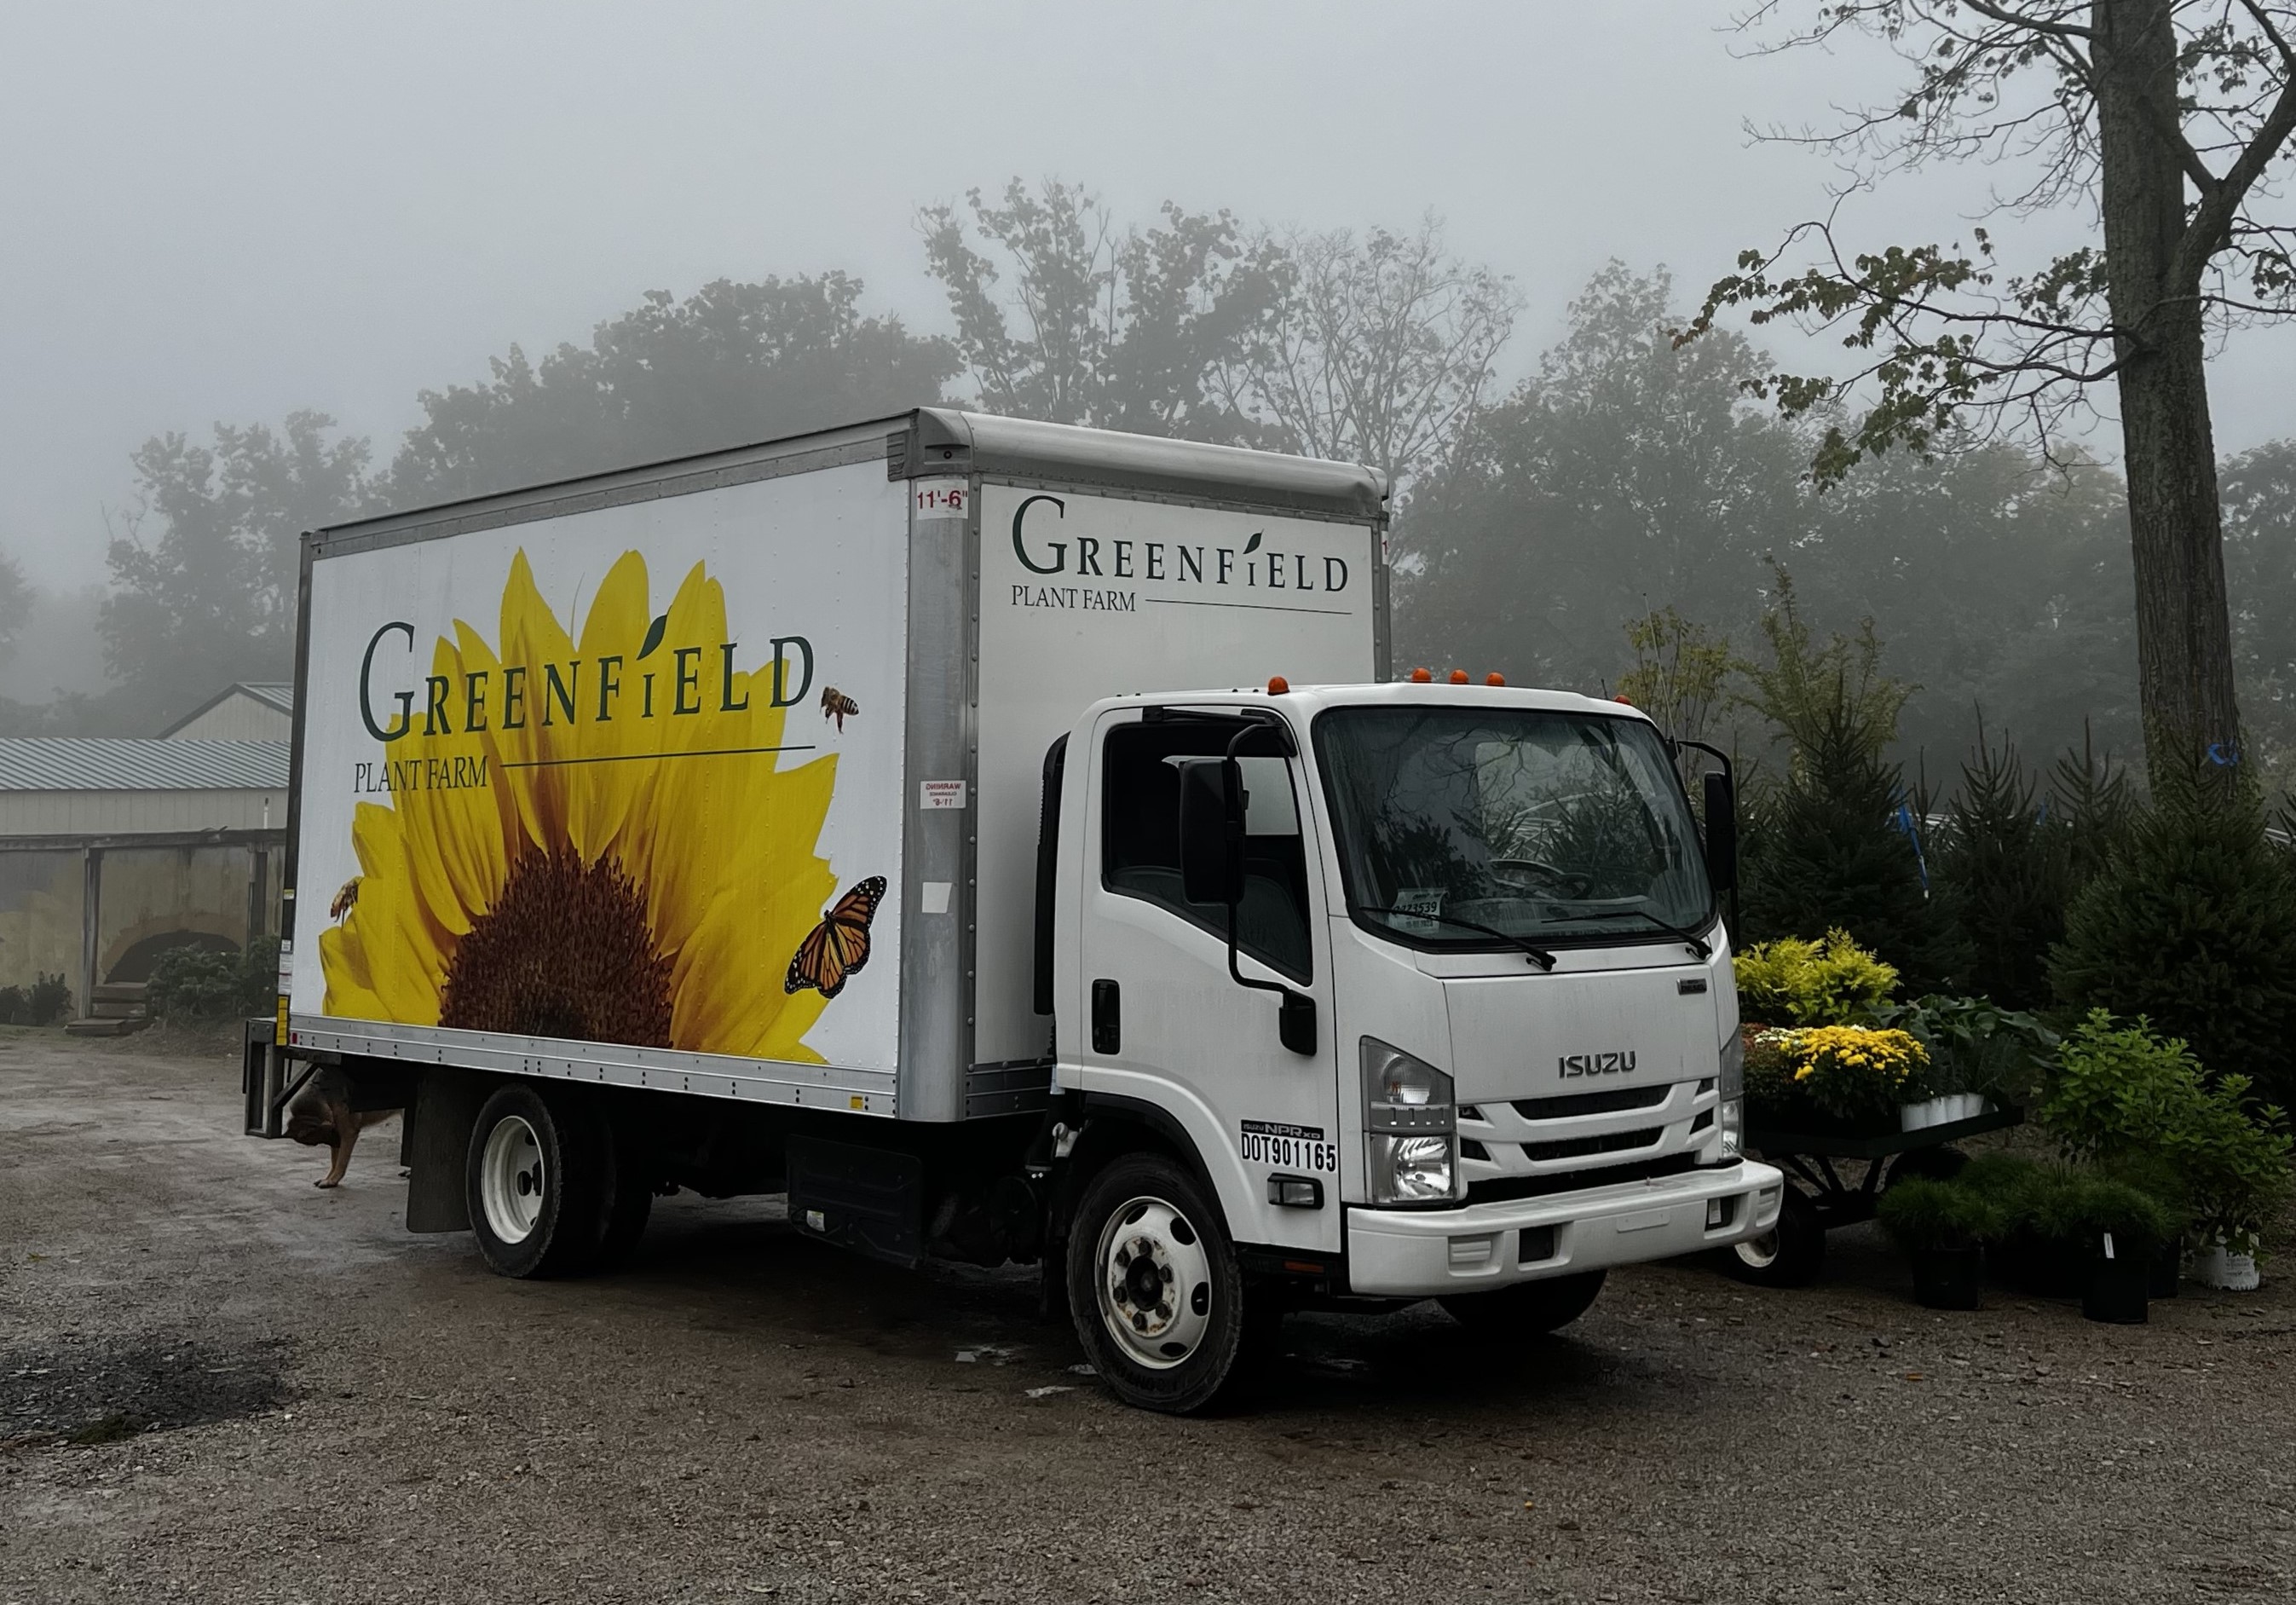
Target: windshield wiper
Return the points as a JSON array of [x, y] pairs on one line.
[[1538, 955], [1697, 945]]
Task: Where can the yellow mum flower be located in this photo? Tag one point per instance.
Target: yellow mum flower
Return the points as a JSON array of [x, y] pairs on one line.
[[607, 863]]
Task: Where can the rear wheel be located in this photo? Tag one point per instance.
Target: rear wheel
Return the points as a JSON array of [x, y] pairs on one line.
[[1159, 1302], [1526, 1307], [532, 1180], [1789, 1255]]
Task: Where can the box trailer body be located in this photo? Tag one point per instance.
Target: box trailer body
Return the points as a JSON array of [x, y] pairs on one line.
[[802, 817]]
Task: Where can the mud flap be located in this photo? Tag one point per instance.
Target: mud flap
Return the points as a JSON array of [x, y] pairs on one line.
[[868, 1199], [436, 1147]]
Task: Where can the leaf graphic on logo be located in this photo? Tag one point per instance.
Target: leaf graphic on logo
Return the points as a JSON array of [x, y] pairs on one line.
[[653, 637], [1252, 545]]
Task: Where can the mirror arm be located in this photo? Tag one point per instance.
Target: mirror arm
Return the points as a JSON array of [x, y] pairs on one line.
[[1296, 1018]]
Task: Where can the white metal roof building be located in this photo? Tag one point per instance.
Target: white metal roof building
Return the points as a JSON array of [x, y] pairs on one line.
[[247, 710], [111, 850]]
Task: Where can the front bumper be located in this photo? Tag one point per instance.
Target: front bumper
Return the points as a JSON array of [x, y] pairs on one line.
[[1420, 1254]]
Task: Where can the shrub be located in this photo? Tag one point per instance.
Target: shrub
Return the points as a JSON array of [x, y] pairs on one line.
[[258, 977], [1793, 981], [1921, 1213], [2192, 924], [193, 982], [49, 1002], [2124, 1095], [45, 1001], [2083, 1212], [2010, 1181]]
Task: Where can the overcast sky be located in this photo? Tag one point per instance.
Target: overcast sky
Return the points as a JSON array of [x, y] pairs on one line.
[[228, 210]]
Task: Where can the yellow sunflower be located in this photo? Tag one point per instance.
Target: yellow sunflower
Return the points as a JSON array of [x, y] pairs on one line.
[[591, 841]]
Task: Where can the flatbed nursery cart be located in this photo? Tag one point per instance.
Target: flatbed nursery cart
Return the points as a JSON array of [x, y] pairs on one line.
[[1817, 1199]]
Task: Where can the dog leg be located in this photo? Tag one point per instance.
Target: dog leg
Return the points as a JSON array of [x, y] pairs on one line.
[[347, 1131]]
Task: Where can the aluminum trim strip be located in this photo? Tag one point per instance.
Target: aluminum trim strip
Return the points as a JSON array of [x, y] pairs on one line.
[[608, 1064]]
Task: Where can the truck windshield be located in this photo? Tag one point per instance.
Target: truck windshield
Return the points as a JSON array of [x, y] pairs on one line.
[[1556, 828]]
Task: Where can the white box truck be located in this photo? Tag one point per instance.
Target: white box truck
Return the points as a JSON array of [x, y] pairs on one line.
[[1004, 840]]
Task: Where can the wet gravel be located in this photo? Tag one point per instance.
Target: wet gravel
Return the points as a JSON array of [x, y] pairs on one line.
[[217, 1383]]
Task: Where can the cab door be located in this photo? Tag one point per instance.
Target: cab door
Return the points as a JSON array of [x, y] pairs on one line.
[[1165, 1025]]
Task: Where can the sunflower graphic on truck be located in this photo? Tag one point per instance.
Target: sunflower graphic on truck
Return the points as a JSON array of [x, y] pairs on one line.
[[542, 870]]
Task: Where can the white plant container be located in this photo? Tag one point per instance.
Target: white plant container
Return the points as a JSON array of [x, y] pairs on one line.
[[1928, 1112], [2217, 1266]]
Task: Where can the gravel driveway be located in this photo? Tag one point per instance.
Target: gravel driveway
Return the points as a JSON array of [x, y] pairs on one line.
[[217, 1383]]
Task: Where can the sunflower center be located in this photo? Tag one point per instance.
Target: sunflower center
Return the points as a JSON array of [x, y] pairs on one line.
[[565, 952]]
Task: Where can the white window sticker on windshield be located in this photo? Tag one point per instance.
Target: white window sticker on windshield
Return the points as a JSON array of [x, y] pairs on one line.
[[1422, 900]]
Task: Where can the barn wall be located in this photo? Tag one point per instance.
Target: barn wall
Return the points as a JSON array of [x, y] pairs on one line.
[[39, 917], [137, 813]]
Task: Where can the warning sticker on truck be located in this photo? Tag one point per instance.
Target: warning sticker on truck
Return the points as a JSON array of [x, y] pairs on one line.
[[1289, 1146]]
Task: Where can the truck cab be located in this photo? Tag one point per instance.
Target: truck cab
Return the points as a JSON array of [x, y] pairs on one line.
[[1426, 986]]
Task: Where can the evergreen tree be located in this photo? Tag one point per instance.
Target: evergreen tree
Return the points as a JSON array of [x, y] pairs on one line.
[[1836, 846], [2006, 863], [2192, 924]]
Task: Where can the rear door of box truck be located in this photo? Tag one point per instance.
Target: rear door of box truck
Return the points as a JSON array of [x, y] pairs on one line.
[[608, 781]]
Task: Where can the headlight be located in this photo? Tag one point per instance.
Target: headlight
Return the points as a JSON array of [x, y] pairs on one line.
[[1412, 1117], [1731, 1083], [1413, 1170], [1730, 1121]]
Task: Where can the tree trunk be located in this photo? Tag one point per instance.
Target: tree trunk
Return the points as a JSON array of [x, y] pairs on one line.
[[2184, 628]]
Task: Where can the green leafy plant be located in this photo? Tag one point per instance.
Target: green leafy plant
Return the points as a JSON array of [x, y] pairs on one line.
[[2123, 1094], [1793, 981], [193, 982], [1975, 1045], [45, 1001], [1921, 1213]]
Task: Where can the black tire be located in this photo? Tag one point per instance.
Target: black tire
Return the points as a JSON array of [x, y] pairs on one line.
[[534, 1179], [1790, 1255], [625, 1200], [1523, 1308], [1163, 1239], [1938, 1164]]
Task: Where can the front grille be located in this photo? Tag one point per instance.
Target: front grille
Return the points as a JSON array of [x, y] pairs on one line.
[[1579, 1148], [1500, 1189], [1607, 1102]]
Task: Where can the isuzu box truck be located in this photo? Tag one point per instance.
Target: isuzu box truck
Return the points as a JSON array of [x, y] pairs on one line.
[[1006, 840]]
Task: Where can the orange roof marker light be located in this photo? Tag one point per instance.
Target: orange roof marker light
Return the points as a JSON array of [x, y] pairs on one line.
[[1458, 677], [1495, 679], [1278, 686], [1420, 677], [1622, 701]]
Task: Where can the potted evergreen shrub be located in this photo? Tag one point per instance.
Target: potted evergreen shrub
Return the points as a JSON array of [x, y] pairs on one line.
[[2116, 1231], [1942, 1227]]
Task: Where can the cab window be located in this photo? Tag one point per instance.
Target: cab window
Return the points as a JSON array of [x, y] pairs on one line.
[[1140, 837]]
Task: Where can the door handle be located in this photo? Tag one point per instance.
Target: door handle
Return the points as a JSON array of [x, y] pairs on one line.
[[1107, 1018]]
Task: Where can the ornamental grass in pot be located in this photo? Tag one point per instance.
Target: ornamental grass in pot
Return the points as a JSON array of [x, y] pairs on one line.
[[2116, 1231], [1942, 1227], [2023, 1254]]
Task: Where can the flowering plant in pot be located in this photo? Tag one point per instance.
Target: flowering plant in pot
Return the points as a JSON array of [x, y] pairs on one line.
[[1943, 1228], [2116, 1231], [1838, 1078]]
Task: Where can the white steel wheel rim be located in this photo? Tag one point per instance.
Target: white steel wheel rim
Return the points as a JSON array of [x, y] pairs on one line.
[[1760, 1252], [1155, 1284], [510, 1179]]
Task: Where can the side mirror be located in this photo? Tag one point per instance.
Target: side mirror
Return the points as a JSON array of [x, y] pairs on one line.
[[1721, 832], [1211, 797]]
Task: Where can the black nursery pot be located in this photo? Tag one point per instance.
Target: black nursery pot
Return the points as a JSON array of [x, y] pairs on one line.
[[1946, 1278], [2168, 1270], [2116, 1290]]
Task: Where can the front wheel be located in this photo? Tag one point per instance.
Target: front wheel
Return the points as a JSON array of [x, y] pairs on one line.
[[1526, 1309], [532, 1178], [1160, 1303], [1789, 1255]]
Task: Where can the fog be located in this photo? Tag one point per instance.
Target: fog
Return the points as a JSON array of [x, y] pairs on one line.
[[229, 211]]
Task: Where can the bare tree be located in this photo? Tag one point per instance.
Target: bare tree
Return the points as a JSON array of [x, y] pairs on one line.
[[1383, 350], [2161, 120]]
